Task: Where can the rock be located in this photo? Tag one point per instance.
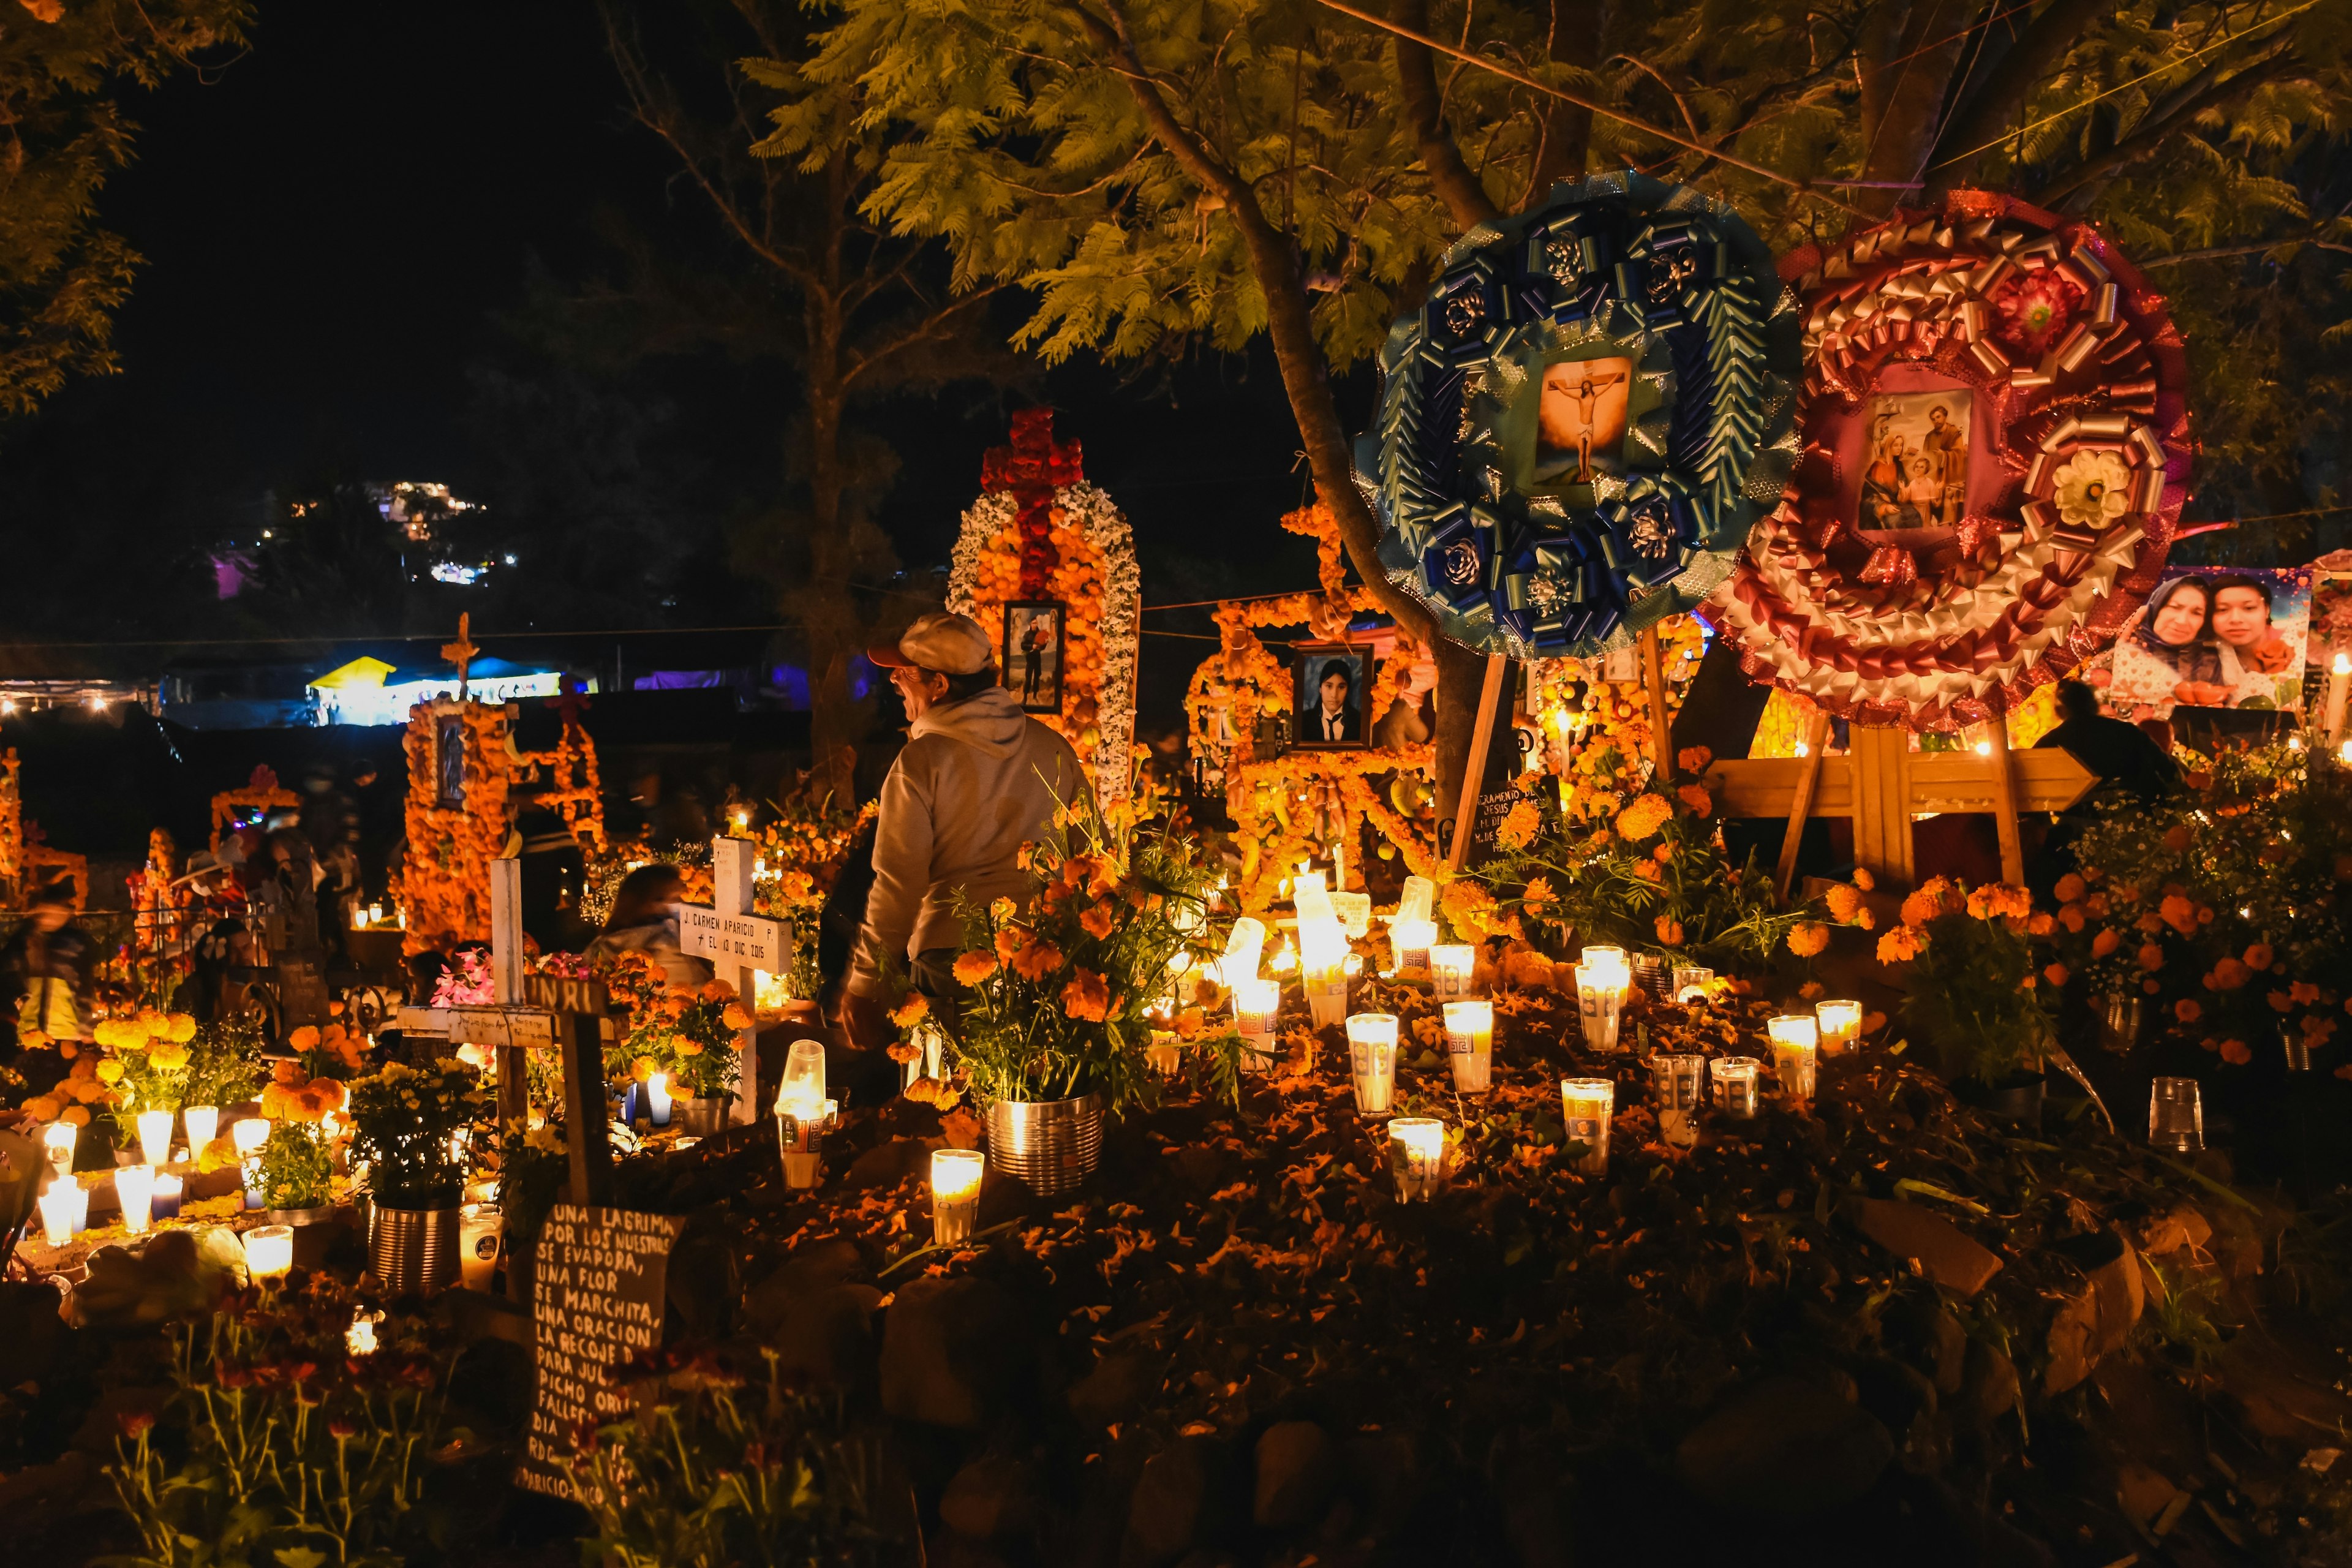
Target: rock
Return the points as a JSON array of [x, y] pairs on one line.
[[1783, 1449], [954, 1352], [1297, 1470], [2095, 1321], [1179, 1502], [1989, 1385], [1943, 1252], [2142, 1493], [1114, 1390], [818, 1265], [993, 1496], [826, 1335], [1383, 1477]]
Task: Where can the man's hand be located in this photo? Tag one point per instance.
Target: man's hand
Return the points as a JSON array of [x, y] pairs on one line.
[[866, 1020]]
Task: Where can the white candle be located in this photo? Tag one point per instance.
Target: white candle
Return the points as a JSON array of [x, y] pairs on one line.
[[1371, 1059], [1419, 897], [1411, 940], [134, 1188], [1735, 1084], [204, 1126], [1795, 1038], [59, 1219], [1601, 1002], [955, 1192], [269, 1251], [1840, 1023], [164, 1202], [1244, 945], [1416, 1155], [479, 1226], [2339, 681], [155, 1136], [1323, 955], [1451, 964], [360, 1338], [1678, 1079], [1470, 1042], [1255, 1004], [57, 1138], [657, 1099]]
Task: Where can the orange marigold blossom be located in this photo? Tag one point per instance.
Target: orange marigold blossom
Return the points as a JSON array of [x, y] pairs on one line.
[[1538, 893], [2260, 957], [2188, 1010], [2281, 1001], [2235, 1053], [1807, 938], [2303, 992], [912, 1011], [1086, 997], [2055, 973], [1696, 798], [2152, 958], [1098, 921], [2228, 975], [1643, 818], [1669, 929], [2070, 888], [2072, 916], [2039, 923], [2106, 943], [971, 968], [1901, 945], [1693, 759], [1844, 902], [1864, 880]]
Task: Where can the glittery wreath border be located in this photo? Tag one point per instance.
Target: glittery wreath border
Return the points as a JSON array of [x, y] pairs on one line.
[[1620, 266]]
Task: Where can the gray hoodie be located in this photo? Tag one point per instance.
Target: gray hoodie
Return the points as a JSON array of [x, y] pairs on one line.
[[979, 778]]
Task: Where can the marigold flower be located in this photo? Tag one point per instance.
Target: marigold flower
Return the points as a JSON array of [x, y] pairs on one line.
[[1864, 880], [2228, 975], [1921, 907], [1669, 929], [971, 968], [2281, 1001], [305, 1038], [1036, 958], [1696, 798], [75, 1115], [2070, 888], [1519, 825], [2152, 958], [1844, 903], [1643, 818], [2235, 1053], [2039, 923], [1098, 921], [110, 1071], [912, 1011], [2187, 1010], [1538, 893], [1693, 759], [2055, 973], [2106, 943], [2303, 992], [2260, 957], [2072, 916], [1901, 945], [1087, 997], [1807, 938]]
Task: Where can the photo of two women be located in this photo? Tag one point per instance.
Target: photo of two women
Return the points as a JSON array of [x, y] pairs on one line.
[[2212, 638]]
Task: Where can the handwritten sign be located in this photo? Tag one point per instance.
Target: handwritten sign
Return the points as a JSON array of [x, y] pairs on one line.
[[745, 941], [601, 1279]]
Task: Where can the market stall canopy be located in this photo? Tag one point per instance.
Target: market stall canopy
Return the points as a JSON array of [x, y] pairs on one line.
[[366, 690]]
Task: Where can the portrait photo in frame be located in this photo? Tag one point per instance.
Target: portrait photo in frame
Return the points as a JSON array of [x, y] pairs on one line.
[[1032, 653], [1331, 683]]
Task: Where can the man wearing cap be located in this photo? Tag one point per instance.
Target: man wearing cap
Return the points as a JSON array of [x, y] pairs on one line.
[[977, 779]]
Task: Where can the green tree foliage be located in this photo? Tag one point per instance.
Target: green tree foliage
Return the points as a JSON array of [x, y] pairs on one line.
[[63, 64], [1160, 173]]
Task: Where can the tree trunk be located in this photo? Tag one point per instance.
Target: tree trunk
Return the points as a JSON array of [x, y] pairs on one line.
[[831, 631], [1461, 676]]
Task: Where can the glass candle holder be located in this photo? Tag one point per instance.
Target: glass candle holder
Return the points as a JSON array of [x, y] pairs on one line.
[[1588, 1104], [1735, 1086], [1255, 1004], [1416, 1156], [2297, 1045], [1162, 1054], [156, 1137], [955, 1194], [1601, 1003], [1416, 900], [1451, 964], [1840, 1023], [1410, 942], [202, 1122], [1244, 944], [1323, 971], [479, 1226], [1691, 982], [269, 1251], [801, 1124], [1680, 1081], [134, 1189], [2176, 1116], [1470, 1042], [170, 1191], [250, 1133], [1654, 975], [58, 1218], [803, 1080], [1795, 1044], [1372, 1059], [1606, 958], [657, 1099], [57, 1140]]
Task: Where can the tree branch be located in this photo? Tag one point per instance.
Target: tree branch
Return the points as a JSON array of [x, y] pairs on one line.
[[1456, 187], [2221, 252], [1993, 103], [2157, 130]]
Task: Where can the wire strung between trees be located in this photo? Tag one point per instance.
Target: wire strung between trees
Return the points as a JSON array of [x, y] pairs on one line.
[[1594, 106]]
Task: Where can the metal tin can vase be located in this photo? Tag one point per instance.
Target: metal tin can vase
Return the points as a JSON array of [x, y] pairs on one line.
[[415, 1251], [704, 1116], [315, 1230], [1053, 1146]]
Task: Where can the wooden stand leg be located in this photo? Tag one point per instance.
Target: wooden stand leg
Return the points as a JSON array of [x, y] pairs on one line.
[[1474, 776], [1880, 757], [514, 1091], [585, 1114], [1801, 808], [2005, 806], [1661, 737]]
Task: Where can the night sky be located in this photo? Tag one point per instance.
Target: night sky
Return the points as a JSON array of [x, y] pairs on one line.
[[334, 224]]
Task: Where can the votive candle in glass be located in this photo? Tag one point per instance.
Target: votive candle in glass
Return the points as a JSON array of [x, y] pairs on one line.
[[1735, 1086], [58, 1138], [163, 1203], [1255, 1004], [1588, 1104], [58, 1218], [1679, 1079], [803, 1078], [1606, 958], [204, 1125], [1840, 1026], [1410, 942], [1601, 1002], [2176, 1116], [269, 1251], [1470, 1042], [155, 1136], [1371, 1058], [658, 1097], [250, 1133], [1243, 943], [1416, 1156], [1691, 981], [1451, 964], [1796, 1041], [1162, 1054], [479, 1228], [1418, 898], [1323, 971], [134, 1189], [955, 1194]]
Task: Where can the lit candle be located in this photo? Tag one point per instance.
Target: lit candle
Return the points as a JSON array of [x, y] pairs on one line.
[[1371, 1055], [163, 1203], [1678, 1079], [479, 1228], [1255, 1004], [204, 1126], [58, 1139], [1692, 980], [803, 1078], [1419, 897], [802, 1120], [1323, 957], [1243, 946], [2339, 681], [1411, 940], [155, 1136], [955, 1194], [1451, 964], [59, 1219], [1600, 999], [1840, 1023], [1587, 1105], [1470, 1042], [250, 1133], [134, 1189], [1162, 1054], [1417, 1156], [1795, 1040], [360, 1338], [1735, 1084], [269, 1251], [1605, 958], [1283, 960], [657, 1099]]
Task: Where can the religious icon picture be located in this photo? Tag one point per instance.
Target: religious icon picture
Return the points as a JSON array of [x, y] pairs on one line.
[[1581, 420], [449, 762], [1332, 684], [1915, 461], [1033, 654]]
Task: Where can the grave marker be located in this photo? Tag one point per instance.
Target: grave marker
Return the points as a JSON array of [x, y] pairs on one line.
[[602, 1276]]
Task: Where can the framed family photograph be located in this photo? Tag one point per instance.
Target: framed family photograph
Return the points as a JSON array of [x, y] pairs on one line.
[[1331, 682], [1915, 465], [2212, 636], [1033, 652]]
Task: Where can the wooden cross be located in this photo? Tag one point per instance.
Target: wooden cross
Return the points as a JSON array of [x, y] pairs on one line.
[[461, 652], [569, 701], [536, 1012], [739, 943], [1882, 784]]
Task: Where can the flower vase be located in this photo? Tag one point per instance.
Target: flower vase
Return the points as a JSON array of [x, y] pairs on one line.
[[704, 1116], [1051, 1145], [415, 1251]]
